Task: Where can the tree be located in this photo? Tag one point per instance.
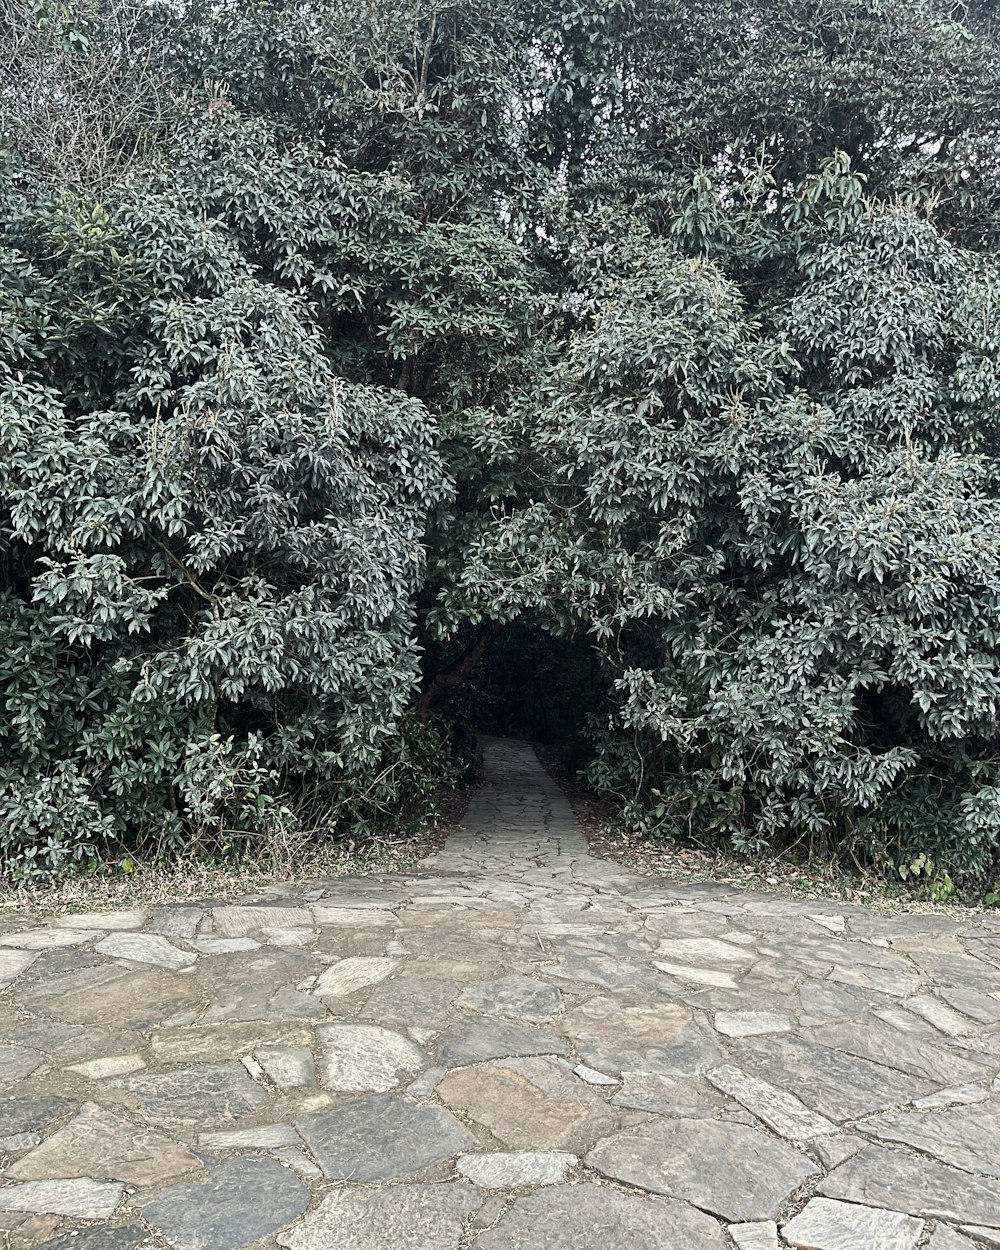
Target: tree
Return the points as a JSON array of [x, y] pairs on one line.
[[777, 524], [379, 328]]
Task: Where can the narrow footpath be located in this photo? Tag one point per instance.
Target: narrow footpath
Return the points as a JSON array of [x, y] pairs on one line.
[[513, 1047]]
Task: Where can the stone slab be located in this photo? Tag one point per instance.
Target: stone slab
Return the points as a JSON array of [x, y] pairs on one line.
[[365, 1058], [350, 975], [260, 1137], [46, 939], [381, 1138], [100, 1237], [111, 921], [82, 1197], [730, 1170], [499, 1170], [14, 962], [241, 921], [17, 1062], [881, 1177], [475, 1041], [761, 1235], [400, 1217], [515, 997], [111, 1065], [289, 1067], [31, 1113], [837, 1085], [106, 1147], [964, 1136], [826, 1225], [750, 1023], [204, 1093], [780, 1111], [595, 1217], [236, 1204], [529, 1104], [688, 1098]]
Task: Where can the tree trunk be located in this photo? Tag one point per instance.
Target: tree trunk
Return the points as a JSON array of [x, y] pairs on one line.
[[456, 676]]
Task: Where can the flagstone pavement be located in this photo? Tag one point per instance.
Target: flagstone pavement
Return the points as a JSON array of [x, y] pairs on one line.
[[513, 1047]]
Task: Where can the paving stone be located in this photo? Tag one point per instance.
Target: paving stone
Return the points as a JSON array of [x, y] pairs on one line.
[[832, 1151], [833, 924], [475, 1041], [963, 1136], [881, 1177], [206, 1092], [289, 1067], [18, 1143], [363, 1058], [112, 1065], [184, 1045], [711, 977], [45, 939], [261, 1137], [944, 1018], [105, 1147], [113, 994], [112, 921], [498, 1170], [31, 1113], [593, 1077], [350, 975], [236, 1204], [13, 963], [750, 1023], [242, 921], [944, 1238], [529, 1104], [17, 1062], [780, 1111], [100, 1237], [822, 1000], [296, 1158], [352, 917], [838, 1086], [384, 1137], [516, 997], [647, 1036], [177, 922], [984, 1236], [594, 1217], [893, 981], [958, 1095], [210, 945], [407, 1001], [84, 1197], [704, 952], [400, 1217], [731, 1170], [761, 1235], [288, 937], [826, 1225], [918, 1054], [689, 1098], [984, 1008]]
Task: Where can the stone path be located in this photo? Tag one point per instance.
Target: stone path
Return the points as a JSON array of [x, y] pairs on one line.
[[516, 1046]]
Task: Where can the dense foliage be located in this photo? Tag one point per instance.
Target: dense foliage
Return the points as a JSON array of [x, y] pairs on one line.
[[364, 335]]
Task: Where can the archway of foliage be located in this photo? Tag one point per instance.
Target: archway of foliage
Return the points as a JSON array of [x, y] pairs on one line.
[[777, 521], [356, 332]]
